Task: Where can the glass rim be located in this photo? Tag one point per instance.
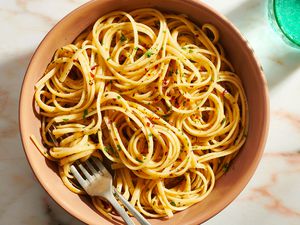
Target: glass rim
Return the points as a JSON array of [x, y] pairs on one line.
[[274, 21]]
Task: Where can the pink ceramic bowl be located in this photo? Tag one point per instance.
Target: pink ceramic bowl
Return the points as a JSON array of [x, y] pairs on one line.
[[241, 56]]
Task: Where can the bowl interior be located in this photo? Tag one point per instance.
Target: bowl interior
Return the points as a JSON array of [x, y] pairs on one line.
[[242, 58]]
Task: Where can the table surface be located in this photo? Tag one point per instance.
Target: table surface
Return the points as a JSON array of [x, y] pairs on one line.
[[271, 197]]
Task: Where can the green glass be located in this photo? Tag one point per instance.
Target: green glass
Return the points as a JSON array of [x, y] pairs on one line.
[[285, 18]]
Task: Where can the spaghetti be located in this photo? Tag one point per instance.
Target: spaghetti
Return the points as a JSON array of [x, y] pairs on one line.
[[155, 95]]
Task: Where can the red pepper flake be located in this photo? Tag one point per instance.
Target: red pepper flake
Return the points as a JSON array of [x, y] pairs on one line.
[[75, 60], [156, 66], [202, 69], [148, 124], [196, 35], [156, 87], [154, 118], [188, 99], [156, 99], [146, 69], [94, 67], [92, 75], [114, 99]]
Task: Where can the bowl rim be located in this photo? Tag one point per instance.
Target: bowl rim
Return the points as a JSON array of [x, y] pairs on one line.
[[261, 144]]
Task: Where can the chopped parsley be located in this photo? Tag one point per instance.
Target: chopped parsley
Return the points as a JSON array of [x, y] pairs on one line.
[[123, 38], [236, 141], [118, 97], [108, 148], [190, 51], [65, 120], [223, 121], [172, 203], [225, 167], [85, 112], [137, 159], [119, 147], [150, 135], [136, 48], [148, 53], [108, 58]]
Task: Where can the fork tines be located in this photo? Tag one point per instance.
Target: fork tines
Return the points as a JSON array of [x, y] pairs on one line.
[[91, 169]]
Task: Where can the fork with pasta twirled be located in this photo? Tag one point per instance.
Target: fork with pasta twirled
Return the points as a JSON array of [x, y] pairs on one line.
[[98, 182]]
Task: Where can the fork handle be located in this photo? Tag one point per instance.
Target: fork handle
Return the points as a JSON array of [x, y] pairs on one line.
[[109, 197], [131, 209]]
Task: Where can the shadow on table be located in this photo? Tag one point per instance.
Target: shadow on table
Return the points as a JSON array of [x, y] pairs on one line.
[[277, 58], [12, 73]]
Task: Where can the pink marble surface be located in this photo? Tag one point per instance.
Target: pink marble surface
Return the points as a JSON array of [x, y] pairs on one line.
[[271, 197]]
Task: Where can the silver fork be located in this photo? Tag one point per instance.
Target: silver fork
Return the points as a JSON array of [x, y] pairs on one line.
[[96, 178], [99, 183]]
